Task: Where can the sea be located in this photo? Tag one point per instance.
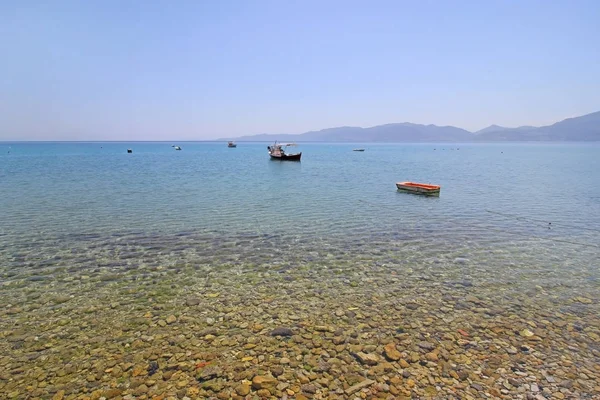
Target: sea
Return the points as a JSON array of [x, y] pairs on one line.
[[144, 258], [526, 212]]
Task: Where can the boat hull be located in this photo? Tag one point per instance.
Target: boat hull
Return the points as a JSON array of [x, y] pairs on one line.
[[419, 188], [286, 157]]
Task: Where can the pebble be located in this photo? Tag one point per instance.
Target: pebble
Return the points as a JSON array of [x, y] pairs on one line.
[[361, 385], [264, 382], [426, 345], [309, 388], [368, 359], [281, 331], [59, 395], [242, 389], [192, 301], [566, 384], [583, 300], [391, 352], [526, 333]]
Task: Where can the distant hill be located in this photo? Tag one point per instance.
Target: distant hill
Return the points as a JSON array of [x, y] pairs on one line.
[[584, 128], [400, 132], [496, 128]]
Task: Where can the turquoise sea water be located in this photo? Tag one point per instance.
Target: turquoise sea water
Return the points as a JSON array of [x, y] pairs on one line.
[[517, 215]]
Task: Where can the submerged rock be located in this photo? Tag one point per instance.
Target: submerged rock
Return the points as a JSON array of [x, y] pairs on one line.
[[391, 352], [365, 358], [426, 345], [264, 382], [282, 332], [361, 385]]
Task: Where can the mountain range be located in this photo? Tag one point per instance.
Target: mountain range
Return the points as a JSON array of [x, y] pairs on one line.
[[584, 128]]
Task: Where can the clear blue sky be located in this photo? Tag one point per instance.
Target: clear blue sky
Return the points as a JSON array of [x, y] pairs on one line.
[[151, 70]]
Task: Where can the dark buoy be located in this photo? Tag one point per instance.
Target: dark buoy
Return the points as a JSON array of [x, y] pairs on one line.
[[129, 151]]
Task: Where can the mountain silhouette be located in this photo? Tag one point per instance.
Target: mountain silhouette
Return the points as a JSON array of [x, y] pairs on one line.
[[584, 128]]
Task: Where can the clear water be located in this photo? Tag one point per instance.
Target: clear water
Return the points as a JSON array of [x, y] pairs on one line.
[[93, 240], [518, 213]]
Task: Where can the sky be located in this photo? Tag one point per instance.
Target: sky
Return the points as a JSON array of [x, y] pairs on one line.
[[204, 69]]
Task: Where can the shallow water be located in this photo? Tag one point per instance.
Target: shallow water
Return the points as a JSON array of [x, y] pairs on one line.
[[538, 204], [85, 225]]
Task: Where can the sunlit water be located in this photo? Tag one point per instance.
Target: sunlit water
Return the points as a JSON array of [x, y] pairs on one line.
[[512, 215], [109, 259]]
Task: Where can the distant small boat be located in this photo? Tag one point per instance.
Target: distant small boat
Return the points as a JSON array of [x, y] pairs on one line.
[[358, 150], [231, 144], [129, 151], [277, 152], [419, 188], [177, 148]]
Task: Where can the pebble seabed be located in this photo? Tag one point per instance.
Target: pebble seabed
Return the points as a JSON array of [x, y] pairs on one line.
[[198, 318]]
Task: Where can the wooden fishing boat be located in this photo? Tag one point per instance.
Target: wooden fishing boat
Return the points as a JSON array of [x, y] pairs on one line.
[[231, 144], [278, 152], [419, 188]]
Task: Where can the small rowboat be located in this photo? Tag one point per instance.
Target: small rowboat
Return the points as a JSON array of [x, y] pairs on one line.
[[419, 188]]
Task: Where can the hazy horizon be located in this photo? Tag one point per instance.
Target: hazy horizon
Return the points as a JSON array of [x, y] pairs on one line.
[[202, 71]]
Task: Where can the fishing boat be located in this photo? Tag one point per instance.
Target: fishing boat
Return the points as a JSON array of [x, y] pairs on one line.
[[278, 151], [419, 188], [231, 144], [358, 150]]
